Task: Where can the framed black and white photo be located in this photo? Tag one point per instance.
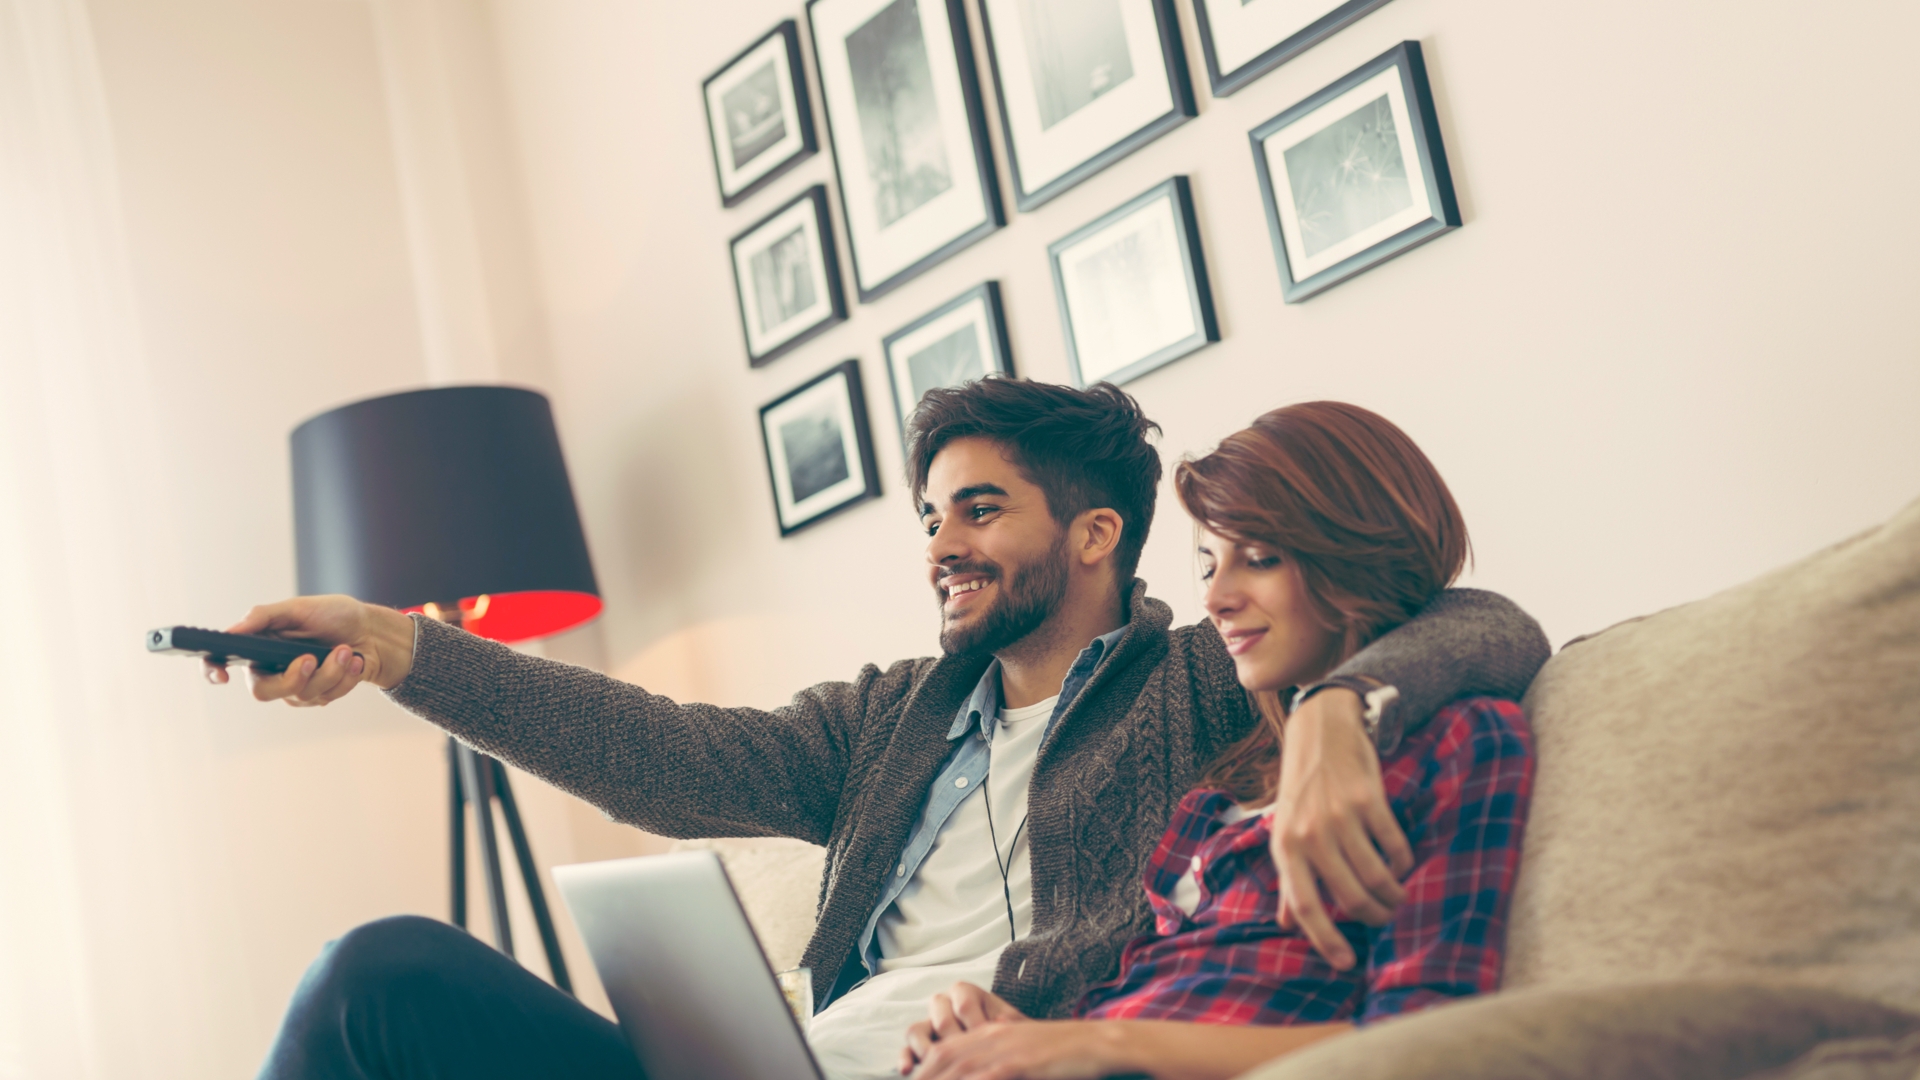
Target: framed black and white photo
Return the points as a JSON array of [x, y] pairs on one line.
[[759, 120], [1081, 84], [1245, 39], [1355, 174], [1132, 287], [961, 340], [787, 278], [819, 449], [909, 136]]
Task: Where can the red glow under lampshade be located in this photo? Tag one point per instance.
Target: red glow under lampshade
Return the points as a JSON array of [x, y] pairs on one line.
[[510, 618]]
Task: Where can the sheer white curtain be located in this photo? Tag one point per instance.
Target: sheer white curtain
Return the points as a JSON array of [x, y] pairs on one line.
[[109, 888]]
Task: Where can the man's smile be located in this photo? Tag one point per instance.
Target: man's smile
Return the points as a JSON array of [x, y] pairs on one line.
[[963, 591]]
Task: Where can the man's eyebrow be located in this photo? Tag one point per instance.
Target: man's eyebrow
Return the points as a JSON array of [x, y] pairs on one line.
[[974, 491]]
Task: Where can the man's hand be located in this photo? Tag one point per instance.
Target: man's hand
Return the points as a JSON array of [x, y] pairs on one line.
[[970, 1034], [1330, 813], [372, 644]]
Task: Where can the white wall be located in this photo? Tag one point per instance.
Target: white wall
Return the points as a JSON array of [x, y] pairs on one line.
[[1673, 345]]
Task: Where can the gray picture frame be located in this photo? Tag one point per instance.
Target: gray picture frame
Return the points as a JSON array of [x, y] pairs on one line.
[[824, 310], [819, 449], [978, 309], [1180, 267], [1428, 183], [879, 268], [741, 182], [1136, 132], [1225, 82]]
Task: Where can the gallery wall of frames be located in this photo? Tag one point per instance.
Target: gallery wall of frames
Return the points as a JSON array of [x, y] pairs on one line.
[[935, 142]]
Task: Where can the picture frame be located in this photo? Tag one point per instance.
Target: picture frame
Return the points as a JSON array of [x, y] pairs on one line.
[[1132, 287], [759, 117], [1244, 39], [786, 277], [909, 134], [956, 343], [1082, 84], [819, 449], [1329, 221]]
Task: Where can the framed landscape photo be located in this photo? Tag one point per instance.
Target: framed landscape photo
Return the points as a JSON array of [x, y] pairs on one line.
[[786, 277], [1081, 84], [961, 340], [819, 449], [759, 120], [1355, 174], [1132, 287], [1245, 39], [909, 136]]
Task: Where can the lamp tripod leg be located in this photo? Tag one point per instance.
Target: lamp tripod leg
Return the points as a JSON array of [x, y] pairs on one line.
[[480, 795], [530, 876], [457, 834]]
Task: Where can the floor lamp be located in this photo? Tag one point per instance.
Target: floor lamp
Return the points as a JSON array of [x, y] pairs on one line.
[[453, 502]]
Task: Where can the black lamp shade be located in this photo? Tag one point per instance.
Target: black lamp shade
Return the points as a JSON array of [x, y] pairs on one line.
[[452, 494]]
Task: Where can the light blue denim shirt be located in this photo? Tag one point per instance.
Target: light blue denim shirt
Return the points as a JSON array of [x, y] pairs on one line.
[[972, 734]]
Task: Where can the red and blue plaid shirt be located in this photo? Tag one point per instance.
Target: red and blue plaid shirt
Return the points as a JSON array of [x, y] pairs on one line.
[[1459, 787]]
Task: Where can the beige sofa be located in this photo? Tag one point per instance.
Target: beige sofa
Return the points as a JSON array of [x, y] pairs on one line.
[[1722, 870]]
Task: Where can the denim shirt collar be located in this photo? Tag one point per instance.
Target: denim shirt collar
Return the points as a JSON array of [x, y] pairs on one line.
[[983, 706]]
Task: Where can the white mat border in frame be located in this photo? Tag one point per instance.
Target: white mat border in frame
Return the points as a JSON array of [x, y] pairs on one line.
[[782, 45], [810, 209], [842, 386]]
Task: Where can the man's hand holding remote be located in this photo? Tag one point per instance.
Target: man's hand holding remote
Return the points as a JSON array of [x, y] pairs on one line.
[[381, 636]]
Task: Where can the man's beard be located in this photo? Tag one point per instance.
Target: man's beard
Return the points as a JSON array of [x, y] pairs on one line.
[[1028, 597]]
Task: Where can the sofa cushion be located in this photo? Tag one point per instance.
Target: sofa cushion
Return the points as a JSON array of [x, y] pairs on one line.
[[1879, 1058], [1670, 1031], [778, 882], [1731, 789]]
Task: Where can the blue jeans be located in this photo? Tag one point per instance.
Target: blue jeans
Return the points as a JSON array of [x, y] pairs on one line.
[[413, 998]]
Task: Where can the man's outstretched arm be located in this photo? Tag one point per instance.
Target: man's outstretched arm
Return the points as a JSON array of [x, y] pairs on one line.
[[679, 770]]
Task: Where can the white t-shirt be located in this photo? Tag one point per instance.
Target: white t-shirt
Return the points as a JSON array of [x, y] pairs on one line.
[[950, 922]]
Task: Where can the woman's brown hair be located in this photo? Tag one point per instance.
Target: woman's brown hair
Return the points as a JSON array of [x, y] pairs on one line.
[[1361, 512]]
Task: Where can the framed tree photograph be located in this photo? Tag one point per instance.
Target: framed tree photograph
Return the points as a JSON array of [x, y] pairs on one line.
[[1355, 174], [1082, 84], [908, 132], [961, 340], [819, 449], [786, 277], [759, 120], [1244, 39], [1132, 287]]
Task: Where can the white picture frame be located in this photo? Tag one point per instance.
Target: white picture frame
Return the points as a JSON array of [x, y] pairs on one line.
[[786, 277], [956, 343], [909, 136], [1244, 39], [1132, 287], [819, 449], [759, 117], [1355, 175], [1081, 84]]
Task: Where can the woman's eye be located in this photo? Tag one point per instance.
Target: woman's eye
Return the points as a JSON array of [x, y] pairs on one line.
[[1264, 562]]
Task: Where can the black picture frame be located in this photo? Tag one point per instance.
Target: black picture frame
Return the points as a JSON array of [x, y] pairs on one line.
[[825, 420], [1223, 83], [1417, 131], [879, 271], [1181, 106], [1089, 365], [739, 184], [977, 308], [767, 343]]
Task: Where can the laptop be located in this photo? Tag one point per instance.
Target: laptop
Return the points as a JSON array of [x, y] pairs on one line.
[[683, 969]]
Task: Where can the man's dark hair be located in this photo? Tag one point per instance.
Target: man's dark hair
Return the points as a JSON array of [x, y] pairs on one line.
[[1082, 448]]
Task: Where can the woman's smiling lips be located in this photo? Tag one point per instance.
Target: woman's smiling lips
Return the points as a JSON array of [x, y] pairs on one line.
[[1239, 641]]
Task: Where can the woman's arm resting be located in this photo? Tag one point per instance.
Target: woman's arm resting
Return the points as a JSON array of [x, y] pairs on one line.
[[1091, 1049]]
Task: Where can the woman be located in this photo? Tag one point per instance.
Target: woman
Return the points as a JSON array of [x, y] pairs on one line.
[[1321, 526]]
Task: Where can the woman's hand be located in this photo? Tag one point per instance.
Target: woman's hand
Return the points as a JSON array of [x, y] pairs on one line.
[[1330, 813], [371, 644]]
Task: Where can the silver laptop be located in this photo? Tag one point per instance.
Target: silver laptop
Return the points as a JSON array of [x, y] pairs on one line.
[[683, 969]]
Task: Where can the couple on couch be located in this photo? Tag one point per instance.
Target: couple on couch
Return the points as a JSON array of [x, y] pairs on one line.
[[1071, 846]]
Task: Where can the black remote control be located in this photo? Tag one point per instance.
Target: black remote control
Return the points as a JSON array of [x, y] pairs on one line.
[[264, 653]]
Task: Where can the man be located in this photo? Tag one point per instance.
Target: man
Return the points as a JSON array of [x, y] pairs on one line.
[[1062, 692]]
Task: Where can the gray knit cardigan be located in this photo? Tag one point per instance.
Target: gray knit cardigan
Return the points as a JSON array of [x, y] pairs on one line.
[[848, 764]]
